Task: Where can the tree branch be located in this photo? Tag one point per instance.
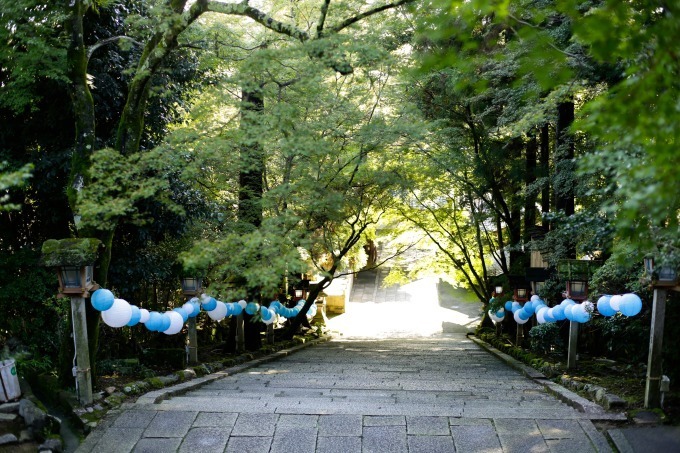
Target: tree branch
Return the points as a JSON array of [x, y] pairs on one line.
[[102, 43], [262, 18], [352, 20], [322, 18]]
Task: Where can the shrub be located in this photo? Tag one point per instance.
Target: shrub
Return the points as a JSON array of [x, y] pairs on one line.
[[545, 339]]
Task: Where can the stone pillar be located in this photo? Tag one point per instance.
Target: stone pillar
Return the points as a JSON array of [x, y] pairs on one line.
[[240, 335], [81, 371], [654, 371], [573, 344], [193, 341]]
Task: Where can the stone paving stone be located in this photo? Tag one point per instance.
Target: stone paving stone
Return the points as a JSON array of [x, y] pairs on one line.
[[223, 420], [255, 425], [294, 440], [457, 421], [344, 444], [134, 419], [170, 424], [475, 439], [433, 426], [118, 440], [560, 429], [580, 445], [521, 443], [511, 426], [297, 420], [157, 445], [248, 444], [430, 444], [384, 420], [205, 440], [384, 439], [340, 425]]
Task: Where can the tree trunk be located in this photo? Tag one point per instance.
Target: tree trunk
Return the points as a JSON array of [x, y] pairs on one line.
[[531, 195], [545, 171], [251, 187], [564, 164]]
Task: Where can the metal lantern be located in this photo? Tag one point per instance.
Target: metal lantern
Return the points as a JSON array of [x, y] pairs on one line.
[[75, 279], [577, 290], [521, 294], [664, 276], [192, 286]]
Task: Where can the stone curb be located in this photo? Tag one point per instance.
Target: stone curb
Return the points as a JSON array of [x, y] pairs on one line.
[[592, 410], [157, 396], [620, 441]]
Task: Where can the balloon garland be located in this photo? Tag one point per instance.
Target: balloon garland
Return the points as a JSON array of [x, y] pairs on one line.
[[119, 313], [626, 304]]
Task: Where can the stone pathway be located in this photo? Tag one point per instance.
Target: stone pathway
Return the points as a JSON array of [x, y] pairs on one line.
[[399, 391]]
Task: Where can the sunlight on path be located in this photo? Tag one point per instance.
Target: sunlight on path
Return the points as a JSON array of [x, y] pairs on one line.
[[411, 310]]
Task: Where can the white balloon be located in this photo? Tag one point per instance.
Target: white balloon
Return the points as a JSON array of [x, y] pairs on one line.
[[535, 298], [118, 315], [219, 312], [615, 302], [189, 307], [519, 320], [176, 323], [144, 315], [271, 319], [540, 314], [242, 303]]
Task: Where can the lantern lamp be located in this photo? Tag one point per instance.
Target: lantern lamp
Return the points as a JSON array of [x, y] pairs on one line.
[[499, 289], [192, 286], [664, 276], [577, 290], [72, 259]]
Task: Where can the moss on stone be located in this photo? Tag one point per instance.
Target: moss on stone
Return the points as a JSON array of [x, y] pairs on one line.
[[70, 252]]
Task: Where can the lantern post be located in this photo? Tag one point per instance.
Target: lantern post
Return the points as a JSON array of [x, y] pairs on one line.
[[662, 280], [192, 287], [73, 260]]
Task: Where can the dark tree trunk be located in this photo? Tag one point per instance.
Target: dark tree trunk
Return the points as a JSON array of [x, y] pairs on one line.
[[531, 195], [564, 164], [545, 171], [251, 186]]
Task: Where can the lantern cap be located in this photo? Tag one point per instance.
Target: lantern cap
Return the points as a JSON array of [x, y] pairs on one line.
[[70, 252]]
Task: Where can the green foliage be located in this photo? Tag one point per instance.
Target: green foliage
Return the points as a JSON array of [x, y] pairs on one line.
[[31, 313], [545, 339], [10, 180]]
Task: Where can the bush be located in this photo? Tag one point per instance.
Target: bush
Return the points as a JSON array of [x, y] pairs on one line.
[[546, 339]]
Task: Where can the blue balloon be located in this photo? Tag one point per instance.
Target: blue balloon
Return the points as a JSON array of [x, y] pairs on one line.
[[630, 305], [515, 306], [252, 308], [529, 308], [197, 308], [237, 310], [500, 313], [102, 299], [523, 315], [154, 322], [567, 312], [558, 313], [508, 306], [275, 306], [209, 304], [182, 312], [136, 316], [603, 306], [266, 314], [547, 315], [301, 302], [166, 321]]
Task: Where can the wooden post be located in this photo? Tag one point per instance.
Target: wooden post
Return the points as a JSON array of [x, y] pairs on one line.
[[240, 336], [573, 344], [193, 341], [82, 371], [270, 334], [654, 371], [520, 335]]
